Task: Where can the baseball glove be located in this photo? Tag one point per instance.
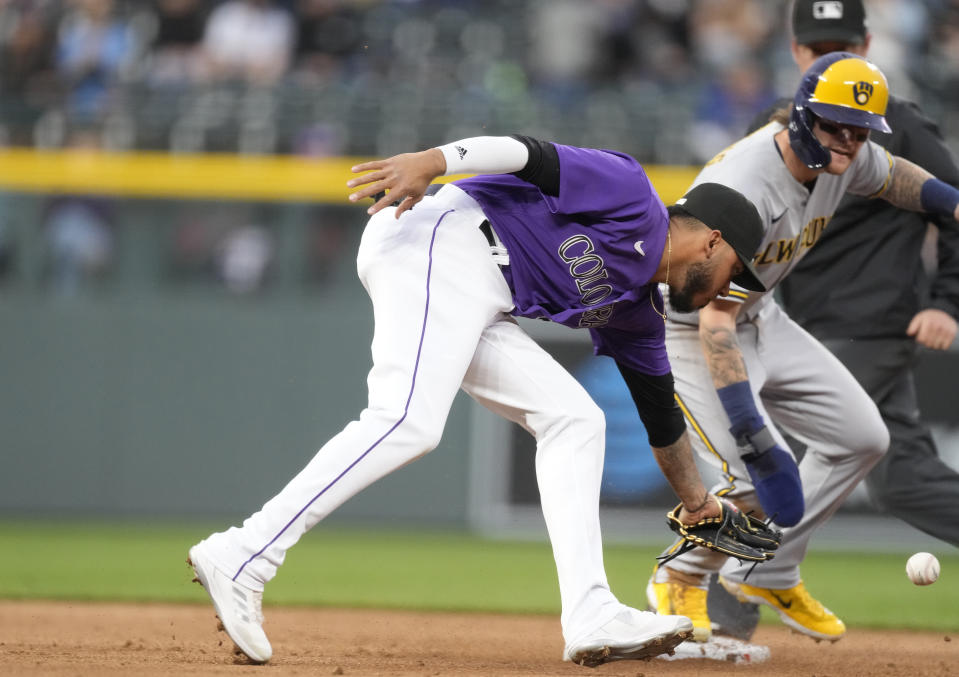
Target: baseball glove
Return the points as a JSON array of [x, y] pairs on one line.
[[731, 533]]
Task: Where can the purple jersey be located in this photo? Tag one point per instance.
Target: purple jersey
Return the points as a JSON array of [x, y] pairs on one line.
[[585, 258]]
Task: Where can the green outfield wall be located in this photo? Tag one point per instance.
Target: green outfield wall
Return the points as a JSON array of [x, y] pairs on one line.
[[187, 406]]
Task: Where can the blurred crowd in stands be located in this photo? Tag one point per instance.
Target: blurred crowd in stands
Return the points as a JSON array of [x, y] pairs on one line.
[[671, 81]]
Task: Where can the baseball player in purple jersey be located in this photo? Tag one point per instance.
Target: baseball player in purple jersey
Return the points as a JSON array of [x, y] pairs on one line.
[[745, 372], [572, 235]]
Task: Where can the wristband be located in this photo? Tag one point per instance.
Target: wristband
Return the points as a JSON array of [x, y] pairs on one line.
[[757, 443], [938, 197], [737, 400], [484, 155]]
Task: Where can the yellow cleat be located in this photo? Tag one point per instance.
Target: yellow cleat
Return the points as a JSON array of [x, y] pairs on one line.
[[675, 598], [795, 606]]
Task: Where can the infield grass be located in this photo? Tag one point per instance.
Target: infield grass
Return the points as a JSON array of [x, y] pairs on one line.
[[335, 566]]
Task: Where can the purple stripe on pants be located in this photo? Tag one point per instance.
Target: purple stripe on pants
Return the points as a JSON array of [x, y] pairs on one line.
[[419, 351]]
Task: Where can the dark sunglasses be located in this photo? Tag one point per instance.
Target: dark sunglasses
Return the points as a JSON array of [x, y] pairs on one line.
[[833, 130]]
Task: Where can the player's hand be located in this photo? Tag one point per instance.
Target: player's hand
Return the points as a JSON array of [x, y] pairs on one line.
[[405, 177], [933, 328], [709, 509]]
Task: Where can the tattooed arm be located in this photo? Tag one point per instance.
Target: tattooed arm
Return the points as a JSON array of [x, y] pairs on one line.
[[717, 333], [906, 185], [915, 189], [679, 468], [772, 469]]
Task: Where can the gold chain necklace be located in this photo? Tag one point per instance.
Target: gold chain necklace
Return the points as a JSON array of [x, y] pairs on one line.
[[669, 256]]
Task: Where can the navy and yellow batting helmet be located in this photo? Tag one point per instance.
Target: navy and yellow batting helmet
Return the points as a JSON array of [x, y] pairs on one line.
[[840, 87]]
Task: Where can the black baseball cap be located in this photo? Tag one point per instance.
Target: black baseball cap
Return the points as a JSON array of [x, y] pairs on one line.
[[727, 210], [829, 21]]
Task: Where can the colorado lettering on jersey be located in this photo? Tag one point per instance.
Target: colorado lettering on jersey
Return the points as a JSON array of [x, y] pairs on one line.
[[588, 269], [782, 251], [597, 317]]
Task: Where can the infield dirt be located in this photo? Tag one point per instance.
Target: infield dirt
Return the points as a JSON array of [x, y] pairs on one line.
[[59, 638]]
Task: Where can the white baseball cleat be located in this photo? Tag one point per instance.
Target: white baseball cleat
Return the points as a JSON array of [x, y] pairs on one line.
[[239, 608], [630, 635]]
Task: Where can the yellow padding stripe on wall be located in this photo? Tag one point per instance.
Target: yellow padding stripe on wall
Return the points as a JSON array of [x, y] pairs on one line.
[[215, 176], [176, 176]]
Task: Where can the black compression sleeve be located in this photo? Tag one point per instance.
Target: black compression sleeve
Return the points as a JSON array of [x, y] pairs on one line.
[[656, 402], [542, 170]]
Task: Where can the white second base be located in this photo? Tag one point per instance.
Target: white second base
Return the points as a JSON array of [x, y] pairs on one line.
[[725, 649]]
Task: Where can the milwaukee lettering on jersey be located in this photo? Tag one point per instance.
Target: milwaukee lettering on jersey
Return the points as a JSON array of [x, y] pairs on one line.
[[781, 251], [587, 270]]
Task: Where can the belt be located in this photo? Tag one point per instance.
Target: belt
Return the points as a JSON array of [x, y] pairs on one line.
[[487, 230], [497, 250]]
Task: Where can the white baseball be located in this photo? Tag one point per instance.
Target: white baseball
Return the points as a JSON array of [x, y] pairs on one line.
[[922, 568]]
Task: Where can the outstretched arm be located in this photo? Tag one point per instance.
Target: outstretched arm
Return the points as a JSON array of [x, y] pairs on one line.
[[906, 185], [404, 178], [915, 189]]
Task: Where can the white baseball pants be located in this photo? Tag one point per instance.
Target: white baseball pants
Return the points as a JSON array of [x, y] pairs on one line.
[[800, 388], [441, 323]]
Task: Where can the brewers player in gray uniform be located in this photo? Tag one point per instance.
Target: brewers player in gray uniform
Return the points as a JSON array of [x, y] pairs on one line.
[[875, 326], [745, 373], [572, 235], [863, 291]]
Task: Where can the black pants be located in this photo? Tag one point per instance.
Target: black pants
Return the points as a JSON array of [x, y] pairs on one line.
[[910, 482]]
